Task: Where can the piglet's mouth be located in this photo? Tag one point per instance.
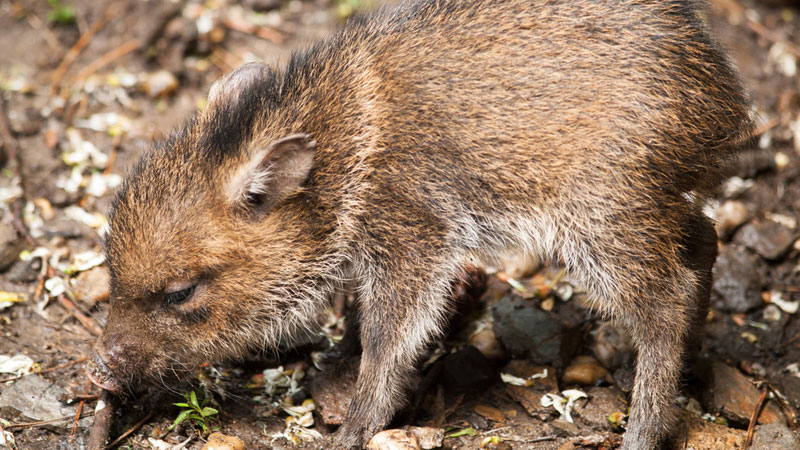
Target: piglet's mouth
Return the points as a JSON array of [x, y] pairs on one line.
[[99, 374]]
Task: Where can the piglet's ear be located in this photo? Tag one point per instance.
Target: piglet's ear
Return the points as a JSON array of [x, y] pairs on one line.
[[272, 173], [229, 87]]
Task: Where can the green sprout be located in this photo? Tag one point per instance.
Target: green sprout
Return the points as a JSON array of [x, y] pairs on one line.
[[195, 412], [60, 13]]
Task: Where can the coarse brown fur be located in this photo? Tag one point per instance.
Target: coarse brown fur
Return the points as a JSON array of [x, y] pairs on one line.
[[413, 140]]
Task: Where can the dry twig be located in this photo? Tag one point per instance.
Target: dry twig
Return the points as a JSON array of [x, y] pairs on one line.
[[100, 432], [47, 35], [80, 409], [243, 26], [751, 428], [42, 422], [104, 60], [72, 54], [112, 155], [90, 324], [765, 33], [124, 435]]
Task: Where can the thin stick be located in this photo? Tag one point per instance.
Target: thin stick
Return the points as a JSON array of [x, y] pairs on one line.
[[52, 369], [751, 428], [245, 27], [72, 54], [39, 288], [788, 410], [47, 35], [112, 155], [80, 409], [43, 422], [89, 323], [540, 439], [72, 398], [124, 435], [105, 59], [771, 36], [100, 432]]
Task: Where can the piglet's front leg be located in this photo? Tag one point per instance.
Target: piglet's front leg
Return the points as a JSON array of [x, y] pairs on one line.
[[399, 315]]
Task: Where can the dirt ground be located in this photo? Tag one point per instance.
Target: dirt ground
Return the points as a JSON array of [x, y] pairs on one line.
[[85, 94]]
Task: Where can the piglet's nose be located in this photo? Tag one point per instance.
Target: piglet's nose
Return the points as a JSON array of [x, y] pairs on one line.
[[102, 365]]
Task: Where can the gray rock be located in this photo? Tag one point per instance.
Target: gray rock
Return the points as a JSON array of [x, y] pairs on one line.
[[769, 239], [529, 332], [790, 386], [25, 271], [25, 122], [773, 436], [36, 399], [738, 278]]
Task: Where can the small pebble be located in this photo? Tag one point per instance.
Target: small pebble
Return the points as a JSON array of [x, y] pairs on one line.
[[781, 160], [159, 84], [772, 313], [427, 437], [490, 413], [219, 441], [486, 342], [584, 370], [91, 287], [730, 215], [394, 440]]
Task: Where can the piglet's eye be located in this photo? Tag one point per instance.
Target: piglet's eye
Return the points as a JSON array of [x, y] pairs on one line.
[[178, 297]]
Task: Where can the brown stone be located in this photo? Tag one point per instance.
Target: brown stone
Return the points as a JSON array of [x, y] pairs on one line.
[[394, 440], [733, 396], [219, 441], [584, 370], [486, 342], [428, 437], [91, 287], [490, 413], [700, 434]]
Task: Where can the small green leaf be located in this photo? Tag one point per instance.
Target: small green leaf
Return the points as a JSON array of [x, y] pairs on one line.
[[178, 420], [193, 400], [465, 432], [182, 405], [208, 411]]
